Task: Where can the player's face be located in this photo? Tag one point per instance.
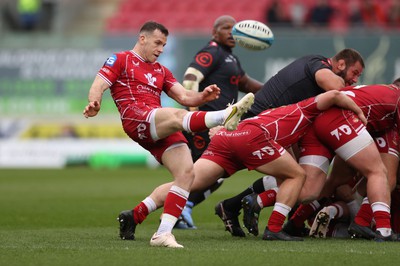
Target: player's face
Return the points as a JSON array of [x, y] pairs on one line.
[[351, 73], [153, 45], [223, 33]]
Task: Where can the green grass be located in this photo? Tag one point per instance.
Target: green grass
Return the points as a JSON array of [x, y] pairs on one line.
[[68, 217]]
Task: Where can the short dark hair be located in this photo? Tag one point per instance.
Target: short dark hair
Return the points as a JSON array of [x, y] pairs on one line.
[[396, 82], [350, 56], [151, 26]]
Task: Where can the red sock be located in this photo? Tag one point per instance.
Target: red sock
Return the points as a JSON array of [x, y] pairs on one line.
[[364, 215], [174, 204], [268, 197], [382, 219], [276, 221], [140, 213], [302, 213], [197, 121], [339, 210]]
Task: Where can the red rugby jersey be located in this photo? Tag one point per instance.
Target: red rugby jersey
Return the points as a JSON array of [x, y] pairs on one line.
[[132, 79], [379, 103]]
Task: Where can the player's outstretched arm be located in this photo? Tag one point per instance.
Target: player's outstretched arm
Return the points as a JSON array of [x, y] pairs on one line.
[[328, 80], [192, 98], [95, 95], [340, 99]]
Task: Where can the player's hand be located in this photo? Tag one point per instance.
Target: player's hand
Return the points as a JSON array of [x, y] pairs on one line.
[[91, 109], [211, 92], [214, 131], [362, 118]]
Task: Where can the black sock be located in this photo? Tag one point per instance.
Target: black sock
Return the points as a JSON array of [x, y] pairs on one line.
[[258, 186], [234, 204], [198, 197]]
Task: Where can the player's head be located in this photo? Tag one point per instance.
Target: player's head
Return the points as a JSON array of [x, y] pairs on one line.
[[222, 30], [151, 42], [349, 65], [397, 82]]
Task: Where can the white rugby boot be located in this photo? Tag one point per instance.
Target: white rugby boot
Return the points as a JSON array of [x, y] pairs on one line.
[[164, 240], [234, 112], [319, 228]]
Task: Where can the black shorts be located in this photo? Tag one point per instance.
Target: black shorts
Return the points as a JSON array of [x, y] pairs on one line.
[[198, 143]]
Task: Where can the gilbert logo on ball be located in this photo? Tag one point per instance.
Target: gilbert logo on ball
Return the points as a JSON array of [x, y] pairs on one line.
[[253, 35]]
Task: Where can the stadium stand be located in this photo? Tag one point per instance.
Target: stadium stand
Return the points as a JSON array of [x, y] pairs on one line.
[[194, 16], [124, 17], [183, 16]]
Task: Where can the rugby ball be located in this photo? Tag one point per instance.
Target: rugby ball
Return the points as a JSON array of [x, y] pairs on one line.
[[252, 35]]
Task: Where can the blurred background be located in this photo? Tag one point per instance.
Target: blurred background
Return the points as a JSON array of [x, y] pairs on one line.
[[51, 50]]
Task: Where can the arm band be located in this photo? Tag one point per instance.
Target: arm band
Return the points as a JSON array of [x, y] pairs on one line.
[[192, 84]]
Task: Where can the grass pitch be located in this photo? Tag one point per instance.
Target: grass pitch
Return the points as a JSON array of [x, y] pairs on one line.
[[68, 217]]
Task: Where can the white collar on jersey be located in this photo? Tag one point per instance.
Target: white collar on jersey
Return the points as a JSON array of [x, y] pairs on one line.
[[141, 58]]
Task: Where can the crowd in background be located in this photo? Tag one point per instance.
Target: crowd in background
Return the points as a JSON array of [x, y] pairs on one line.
[[334, 14]]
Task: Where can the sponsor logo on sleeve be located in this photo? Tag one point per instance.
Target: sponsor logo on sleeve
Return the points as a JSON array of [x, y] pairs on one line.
[[111, 60]]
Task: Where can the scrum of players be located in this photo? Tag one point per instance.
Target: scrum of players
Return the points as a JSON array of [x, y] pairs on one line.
[[353, 198], [343, 169], [341, 178], [351, 185], [345, 197]]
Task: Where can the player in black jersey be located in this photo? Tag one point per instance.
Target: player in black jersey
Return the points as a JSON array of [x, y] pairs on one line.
[[306, 77], [214, 64]]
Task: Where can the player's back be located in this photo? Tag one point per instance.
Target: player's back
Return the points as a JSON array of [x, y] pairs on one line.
[[287, 124], [292, 84], [379, 103]]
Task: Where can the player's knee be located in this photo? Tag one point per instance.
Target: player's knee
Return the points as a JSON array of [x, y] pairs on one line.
[[300, 174], [177, 118], [189, 173], [307, 195], [376, 170]]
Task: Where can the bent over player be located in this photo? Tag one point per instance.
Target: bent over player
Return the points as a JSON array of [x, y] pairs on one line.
[[338, 131], [305, 77]]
